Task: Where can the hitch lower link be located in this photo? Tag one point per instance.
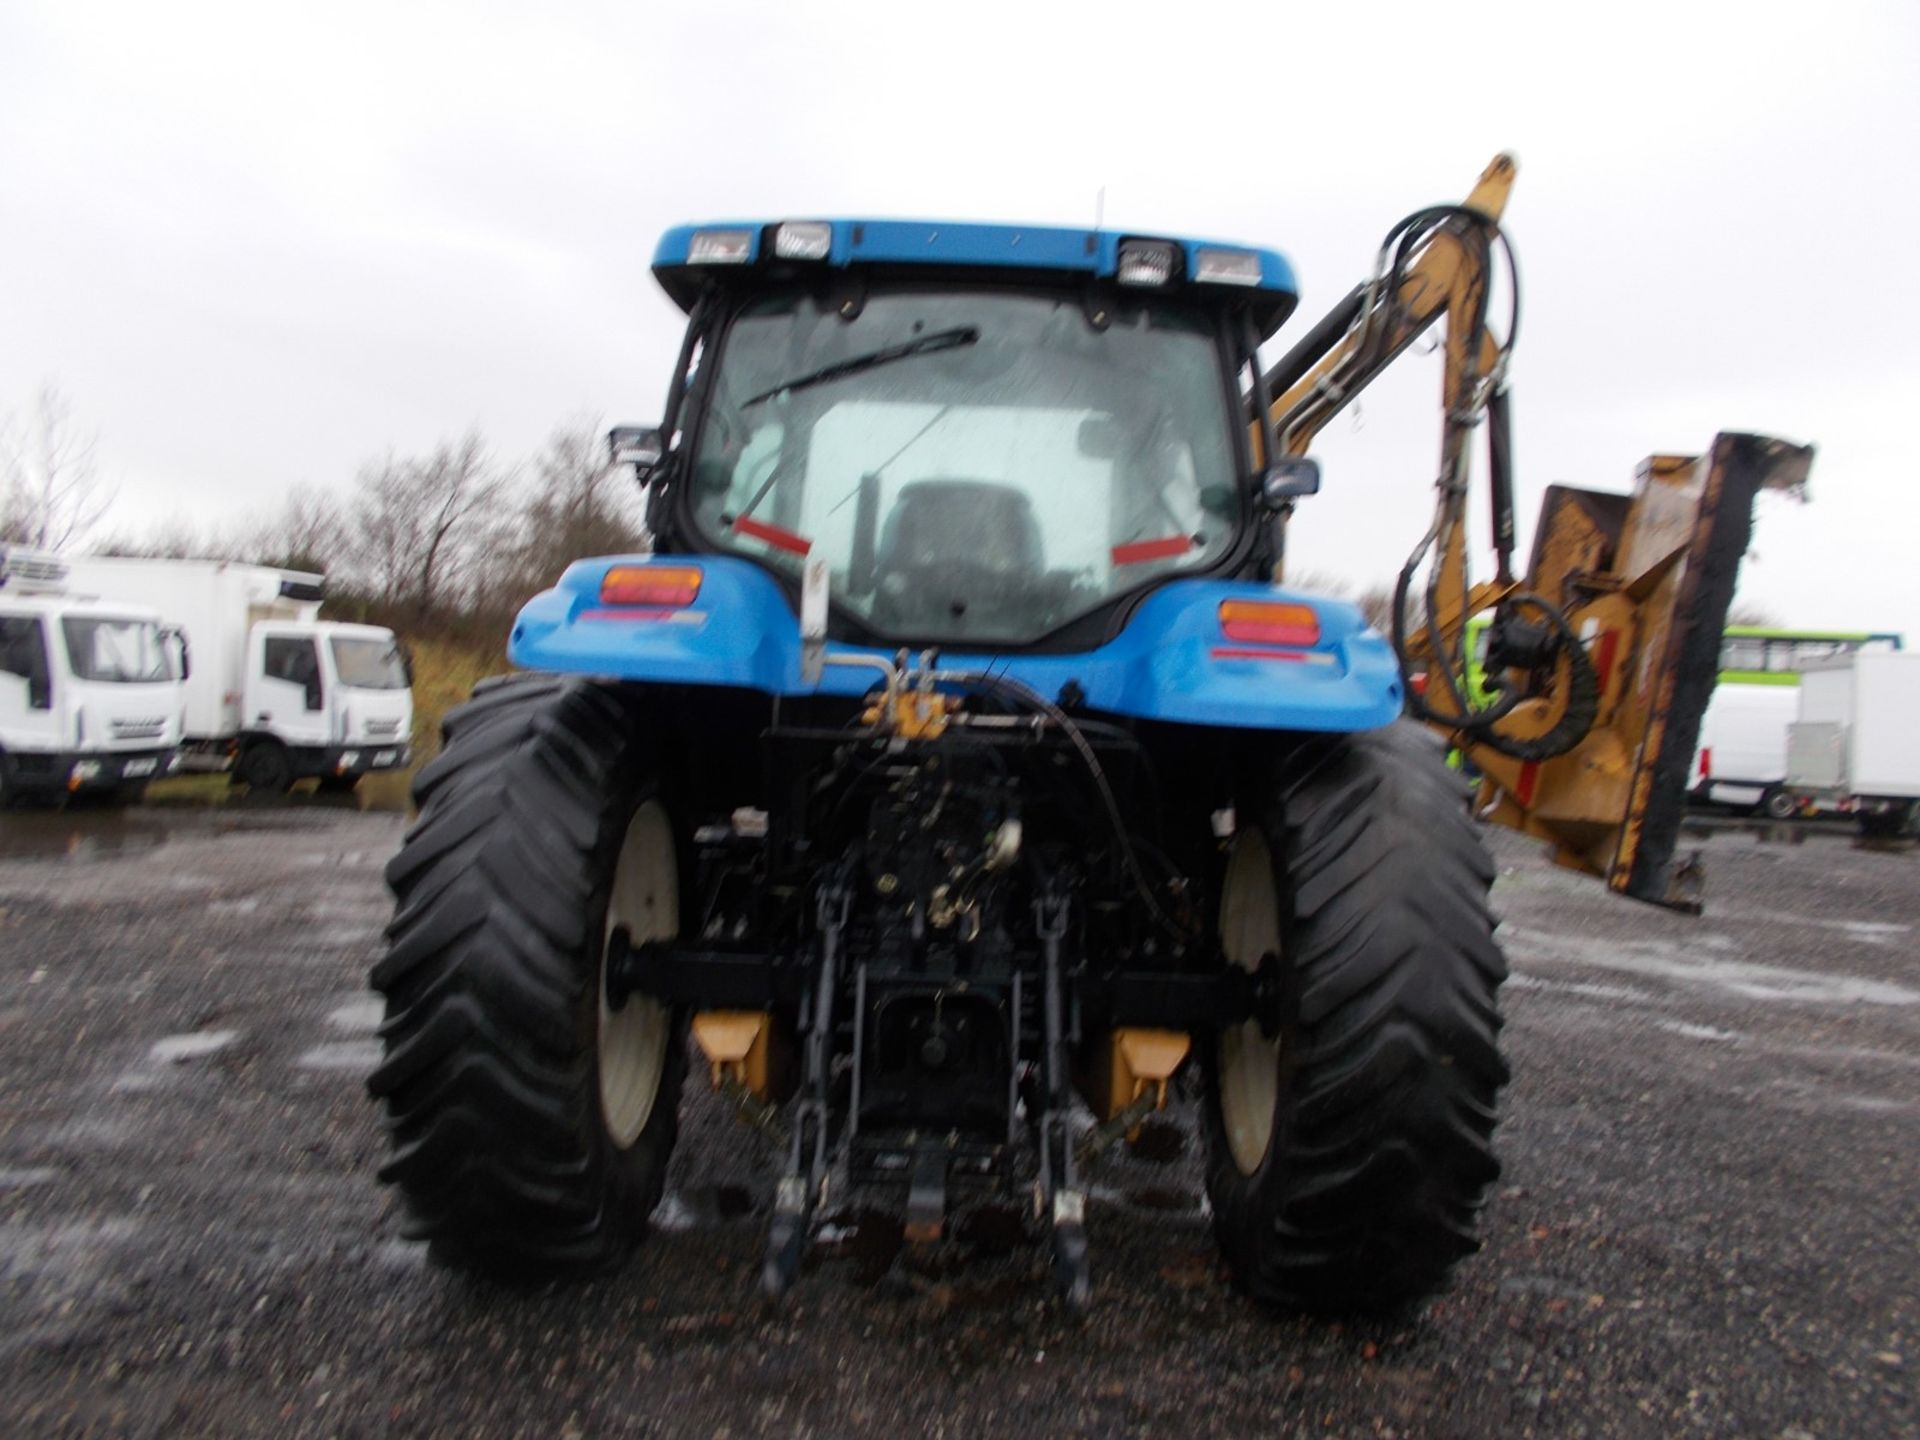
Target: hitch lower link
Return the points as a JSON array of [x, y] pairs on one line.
[[804, 1183], [1058, 1194], [807, 1120]]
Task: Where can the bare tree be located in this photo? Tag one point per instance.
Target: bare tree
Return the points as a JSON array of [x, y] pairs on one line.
[[1376, 604], [580, 505], [412, 520], [310, 532], [1745, 612], [1317, 582], [175, 539], [52, 491]]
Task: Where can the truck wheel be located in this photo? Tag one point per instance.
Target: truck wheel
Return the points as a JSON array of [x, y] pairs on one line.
[[265, 768], [1349, 1145], [1884, 824], [530, 1120], [1778, 803]]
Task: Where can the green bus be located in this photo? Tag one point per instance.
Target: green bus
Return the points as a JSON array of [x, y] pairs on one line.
[[1761, 655]]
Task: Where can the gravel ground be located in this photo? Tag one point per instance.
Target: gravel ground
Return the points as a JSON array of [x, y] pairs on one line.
[[1705, 1225]]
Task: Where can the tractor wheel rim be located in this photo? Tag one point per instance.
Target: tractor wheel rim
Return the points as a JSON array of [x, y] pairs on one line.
[[633, 1040], [1249, 1062]]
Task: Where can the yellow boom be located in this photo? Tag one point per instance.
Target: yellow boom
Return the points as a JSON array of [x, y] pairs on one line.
[[1603, 657]]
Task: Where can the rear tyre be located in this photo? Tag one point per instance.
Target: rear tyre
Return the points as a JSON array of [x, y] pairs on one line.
[[531, 1121], [1778, 804], [1349, 1149], [265, 768], [1889, 824]]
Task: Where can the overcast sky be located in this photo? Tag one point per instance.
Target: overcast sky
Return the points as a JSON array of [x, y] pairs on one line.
[[255, 246]]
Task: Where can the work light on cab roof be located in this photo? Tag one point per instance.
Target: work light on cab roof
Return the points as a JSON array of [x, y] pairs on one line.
[[1163, 262]]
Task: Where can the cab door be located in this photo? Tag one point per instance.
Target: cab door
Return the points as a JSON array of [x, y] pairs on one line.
[[26, 685], [287, 689]]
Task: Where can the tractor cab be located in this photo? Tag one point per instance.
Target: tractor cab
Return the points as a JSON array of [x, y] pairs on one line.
[[992, 436]]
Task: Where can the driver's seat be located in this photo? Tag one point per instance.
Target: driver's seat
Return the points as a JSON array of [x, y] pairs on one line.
[[937, 527]]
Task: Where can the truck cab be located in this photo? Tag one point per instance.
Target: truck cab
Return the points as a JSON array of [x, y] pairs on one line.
[[323, 699], [90, 689]]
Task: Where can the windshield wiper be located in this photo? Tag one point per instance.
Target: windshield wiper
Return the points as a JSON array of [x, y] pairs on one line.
[[922, 345]]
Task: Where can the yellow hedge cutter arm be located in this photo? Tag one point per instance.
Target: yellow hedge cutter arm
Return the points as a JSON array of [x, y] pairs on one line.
[[1600, 662]]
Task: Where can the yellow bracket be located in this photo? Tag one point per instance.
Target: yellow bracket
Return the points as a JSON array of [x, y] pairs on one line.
[[735, 1043], [912, 714], [1140, 1058]]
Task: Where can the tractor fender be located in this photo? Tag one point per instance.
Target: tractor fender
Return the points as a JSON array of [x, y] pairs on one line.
[[1171, 661]]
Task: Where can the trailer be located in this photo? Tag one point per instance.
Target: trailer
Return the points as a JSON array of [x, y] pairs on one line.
[[90, 687], [1853, 747], [275, 693]]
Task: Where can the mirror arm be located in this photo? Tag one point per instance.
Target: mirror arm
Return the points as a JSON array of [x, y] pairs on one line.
[[1276, 515]]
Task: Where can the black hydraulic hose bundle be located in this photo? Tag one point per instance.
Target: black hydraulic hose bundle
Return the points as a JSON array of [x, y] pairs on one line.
[[1449, 663], [1027, 697]]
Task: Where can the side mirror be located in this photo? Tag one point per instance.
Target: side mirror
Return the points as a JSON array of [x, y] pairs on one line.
[[1289, 479], [641, 446], [179, 638]]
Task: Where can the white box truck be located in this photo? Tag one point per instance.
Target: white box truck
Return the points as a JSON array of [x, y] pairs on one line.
[[1856, 744], [91, 690], [273, 691]]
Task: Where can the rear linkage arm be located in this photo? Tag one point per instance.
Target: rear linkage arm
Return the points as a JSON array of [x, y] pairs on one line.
[[805, 1180], [1059, 1194]]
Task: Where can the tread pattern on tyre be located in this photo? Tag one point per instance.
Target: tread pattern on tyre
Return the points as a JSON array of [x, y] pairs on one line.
[[1382, 1147], [491, 979]]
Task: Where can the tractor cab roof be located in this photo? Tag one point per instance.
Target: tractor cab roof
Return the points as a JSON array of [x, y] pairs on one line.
[[755, 254]]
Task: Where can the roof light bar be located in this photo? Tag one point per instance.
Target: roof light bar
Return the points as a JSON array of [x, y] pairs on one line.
[[1213, 266], [1144, 262], [720, 247], [803, 240]]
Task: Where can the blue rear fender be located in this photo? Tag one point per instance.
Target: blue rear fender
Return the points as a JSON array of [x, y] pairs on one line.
[[1171, 662]]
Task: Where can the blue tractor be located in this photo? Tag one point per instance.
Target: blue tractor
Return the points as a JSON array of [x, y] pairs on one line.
[[951, 780]]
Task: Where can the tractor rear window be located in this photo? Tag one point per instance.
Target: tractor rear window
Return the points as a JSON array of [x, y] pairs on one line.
[[974, 466]]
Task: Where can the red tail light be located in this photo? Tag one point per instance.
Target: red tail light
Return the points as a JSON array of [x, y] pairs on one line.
[[669, 587], [1269, 622]]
